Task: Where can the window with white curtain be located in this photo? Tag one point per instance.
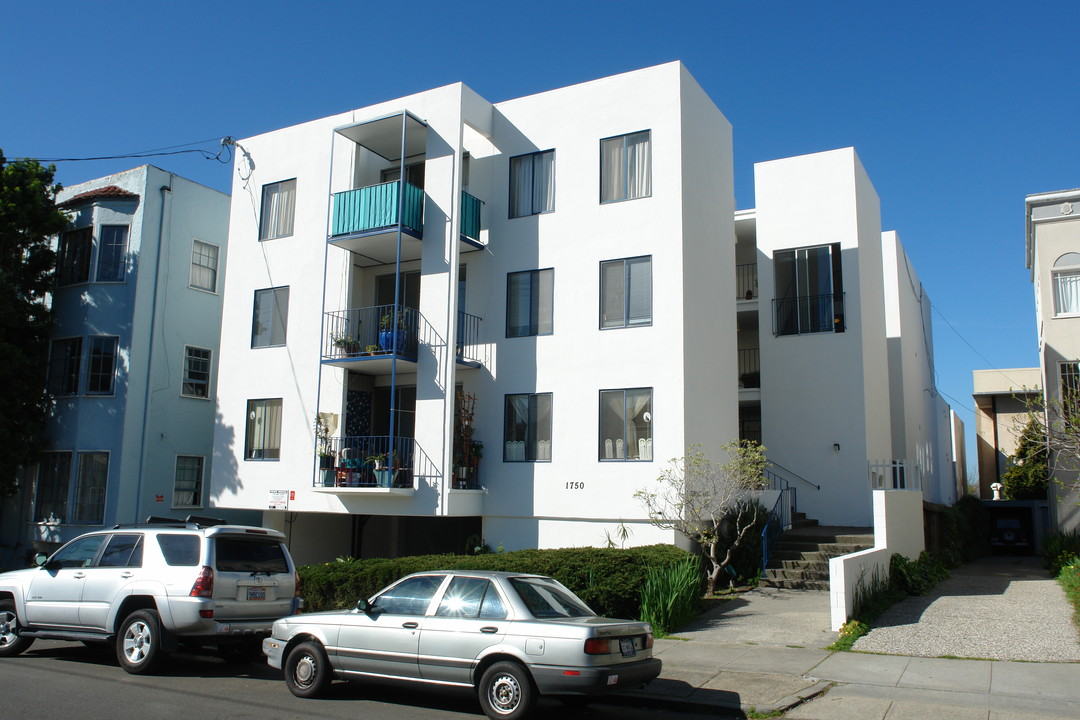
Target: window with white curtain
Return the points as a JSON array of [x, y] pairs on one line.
[[90, 487], [204, 265], [278, 207], [112, 253], [188, 482], [196, 372], [527, 428], [270, 318], [530, 299], [53, 481], [262, 437], [1066, 276], [101, 368], [626, 167], [626, 424], [532, 184], [626, 292]]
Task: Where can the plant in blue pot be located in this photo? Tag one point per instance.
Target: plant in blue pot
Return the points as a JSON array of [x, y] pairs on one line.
[[388, 333]]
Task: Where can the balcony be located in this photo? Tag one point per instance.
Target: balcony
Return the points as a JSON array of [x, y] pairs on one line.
[[746, 285], [749, 368], [368, 339], [368, 463], [365, 221], [470, 222], [809, 314]]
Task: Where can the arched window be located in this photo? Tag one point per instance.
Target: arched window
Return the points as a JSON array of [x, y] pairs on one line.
[[1066, 277]]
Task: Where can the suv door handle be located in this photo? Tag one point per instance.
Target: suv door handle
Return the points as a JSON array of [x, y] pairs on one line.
[[489, 629], [127, 574], [410, 625], [79, 575]]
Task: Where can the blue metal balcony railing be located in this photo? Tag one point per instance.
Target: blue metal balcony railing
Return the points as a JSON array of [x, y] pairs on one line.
[[376, 207], [470, 217], [371, 331], [367, 461]]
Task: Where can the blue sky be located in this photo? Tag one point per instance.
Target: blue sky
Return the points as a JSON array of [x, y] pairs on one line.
[[957, 109]]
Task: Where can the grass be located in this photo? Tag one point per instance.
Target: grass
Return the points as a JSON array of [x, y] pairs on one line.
[[755, 715], [1069, 579]]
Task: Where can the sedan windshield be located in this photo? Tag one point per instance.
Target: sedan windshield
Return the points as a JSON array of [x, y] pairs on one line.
[[547, 599]]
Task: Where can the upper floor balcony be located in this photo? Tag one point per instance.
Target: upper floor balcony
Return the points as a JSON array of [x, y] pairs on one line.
[[746, 282]]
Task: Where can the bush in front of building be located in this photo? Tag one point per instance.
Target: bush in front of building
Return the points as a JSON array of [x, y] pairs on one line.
[[609, 580]]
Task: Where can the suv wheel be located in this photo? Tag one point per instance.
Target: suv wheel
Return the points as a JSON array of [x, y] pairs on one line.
[[506, 691], [307, 671], [11, 643], [137, 642]]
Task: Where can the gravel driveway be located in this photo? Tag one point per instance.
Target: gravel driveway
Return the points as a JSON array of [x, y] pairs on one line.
[[996, 608]]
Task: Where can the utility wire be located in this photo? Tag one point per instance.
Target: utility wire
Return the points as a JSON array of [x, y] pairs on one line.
[[226, 150]]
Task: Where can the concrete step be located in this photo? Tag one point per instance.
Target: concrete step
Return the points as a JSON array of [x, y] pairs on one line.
[[795, 584]]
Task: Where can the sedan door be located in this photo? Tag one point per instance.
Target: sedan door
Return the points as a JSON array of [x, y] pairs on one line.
[[56, 589], [385, 639], [471, 618]]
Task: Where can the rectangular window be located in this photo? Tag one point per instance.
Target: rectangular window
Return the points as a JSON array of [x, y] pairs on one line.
[[809, 291], [204, 264], [101, 372], [1070, 387], [530, 298], [54, 476], [262, 438], [112, 253], [271, 317], [532, 184], [527, 428], [626, 167], [278, 207], [626, 424], [73, 256], [414, 174], [188, 482], [90, 488], [196, 372], [626, 292], [65, 357]]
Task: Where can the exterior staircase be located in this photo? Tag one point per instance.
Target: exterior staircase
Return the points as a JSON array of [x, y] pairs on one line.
[[800, 558]]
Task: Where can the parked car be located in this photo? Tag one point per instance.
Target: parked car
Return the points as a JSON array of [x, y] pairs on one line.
[[148, 588], [510, 636]]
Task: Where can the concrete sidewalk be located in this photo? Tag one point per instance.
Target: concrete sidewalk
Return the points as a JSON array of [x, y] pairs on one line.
[[763, 651]]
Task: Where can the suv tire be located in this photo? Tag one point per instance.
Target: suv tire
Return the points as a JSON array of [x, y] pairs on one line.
[[307, 670], [138, 642], [11, 643]]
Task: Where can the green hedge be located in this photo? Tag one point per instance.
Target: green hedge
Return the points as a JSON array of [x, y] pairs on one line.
[[609, 580]]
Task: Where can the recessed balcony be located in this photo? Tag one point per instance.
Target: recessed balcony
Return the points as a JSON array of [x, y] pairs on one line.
[[371, 464]]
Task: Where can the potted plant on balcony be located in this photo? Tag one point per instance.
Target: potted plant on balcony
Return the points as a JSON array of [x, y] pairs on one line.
[[389, 332], [323, 448], [346, 343], [467, 452], [385, 468]]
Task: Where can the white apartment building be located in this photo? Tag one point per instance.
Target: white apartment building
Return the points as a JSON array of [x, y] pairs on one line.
[[1053, 257], [565, 261], [132, 364]]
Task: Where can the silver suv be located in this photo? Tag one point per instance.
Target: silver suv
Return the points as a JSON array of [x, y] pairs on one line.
[[149, 588]]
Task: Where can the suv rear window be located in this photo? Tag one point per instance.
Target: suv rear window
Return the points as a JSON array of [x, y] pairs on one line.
[[179, 549], [251, 555]]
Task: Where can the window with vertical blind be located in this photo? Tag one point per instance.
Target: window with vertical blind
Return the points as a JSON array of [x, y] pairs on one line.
[[262, 436], [530, 299], [626, 292], [532, 184], [626, 167], [270, 317], [278, 209]]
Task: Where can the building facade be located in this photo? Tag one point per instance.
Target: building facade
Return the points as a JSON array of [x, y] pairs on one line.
[[132, 362], [452, 322]]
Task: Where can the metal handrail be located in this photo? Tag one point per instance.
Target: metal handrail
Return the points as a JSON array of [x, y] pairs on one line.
[[793, 474], [780, 519]]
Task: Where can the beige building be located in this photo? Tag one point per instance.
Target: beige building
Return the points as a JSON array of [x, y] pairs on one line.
[[1053, 256], [1000, 407]]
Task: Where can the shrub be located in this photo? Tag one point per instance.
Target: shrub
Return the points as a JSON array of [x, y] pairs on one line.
[[1060, 548], [1069, 579], [918, 577], [671, 595], [607, 579]]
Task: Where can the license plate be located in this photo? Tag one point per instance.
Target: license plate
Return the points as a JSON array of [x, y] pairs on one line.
[[613, 680], [626, 645], [260, 594]]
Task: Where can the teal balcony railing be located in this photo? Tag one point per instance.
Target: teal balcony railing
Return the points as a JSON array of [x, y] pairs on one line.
[[376, 208], [470, 217]]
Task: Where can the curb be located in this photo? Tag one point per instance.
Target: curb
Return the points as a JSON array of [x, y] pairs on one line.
[[644, 698]]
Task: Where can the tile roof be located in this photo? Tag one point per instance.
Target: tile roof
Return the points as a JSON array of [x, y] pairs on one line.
[[102, 193]]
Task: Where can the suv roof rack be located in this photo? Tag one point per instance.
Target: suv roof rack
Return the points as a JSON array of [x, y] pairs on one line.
[[191, 522]]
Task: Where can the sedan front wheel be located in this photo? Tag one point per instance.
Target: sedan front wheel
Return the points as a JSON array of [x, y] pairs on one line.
[[307, 670]]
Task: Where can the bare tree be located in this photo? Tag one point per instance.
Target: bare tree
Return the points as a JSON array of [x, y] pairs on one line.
[[708, 502], [1058, 422]]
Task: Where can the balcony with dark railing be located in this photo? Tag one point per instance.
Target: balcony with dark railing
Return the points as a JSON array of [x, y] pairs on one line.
[[367, 462], [809, 314], [746, 286], [373, 336], [749, 368]]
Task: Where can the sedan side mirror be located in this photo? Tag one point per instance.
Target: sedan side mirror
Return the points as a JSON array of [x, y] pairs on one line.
[[362, 605]]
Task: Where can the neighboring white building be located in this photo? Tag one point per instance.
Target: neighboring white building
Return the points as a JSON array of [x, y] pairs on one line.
[[137, 307], [568, 259], [1053, 257]]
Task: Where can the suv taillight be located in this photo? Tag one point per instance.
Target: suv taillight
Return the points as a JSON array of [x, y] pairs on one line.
[[204, 584]]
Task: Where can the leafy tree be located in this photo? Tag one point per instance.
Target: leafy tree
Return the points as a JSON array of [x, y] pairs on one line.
[[28, 217], [1029, 475], [709, 503]]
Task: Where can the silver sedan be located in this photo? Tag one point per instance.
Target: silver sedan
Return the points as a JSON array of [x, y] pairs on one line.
[[510, 636]]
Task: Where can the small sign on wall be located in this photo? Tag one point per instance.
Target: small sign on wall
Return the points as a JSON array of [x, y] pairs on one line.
[[279, 500]]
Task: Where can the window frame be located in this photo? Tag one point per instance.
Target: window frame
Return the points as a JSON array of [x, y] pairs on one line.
[[536, 302], [627, 263], [512, 185], [68, 373], [81, 476], [200, 484], [601, 446], [74, 261], [1066, 266], [195, 254], [91, 373], [188, 380], [122, 261], [268, 224], [250, 449], [54, 495], [625, 165], [532, 433], [282, 310], [802, 314]]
